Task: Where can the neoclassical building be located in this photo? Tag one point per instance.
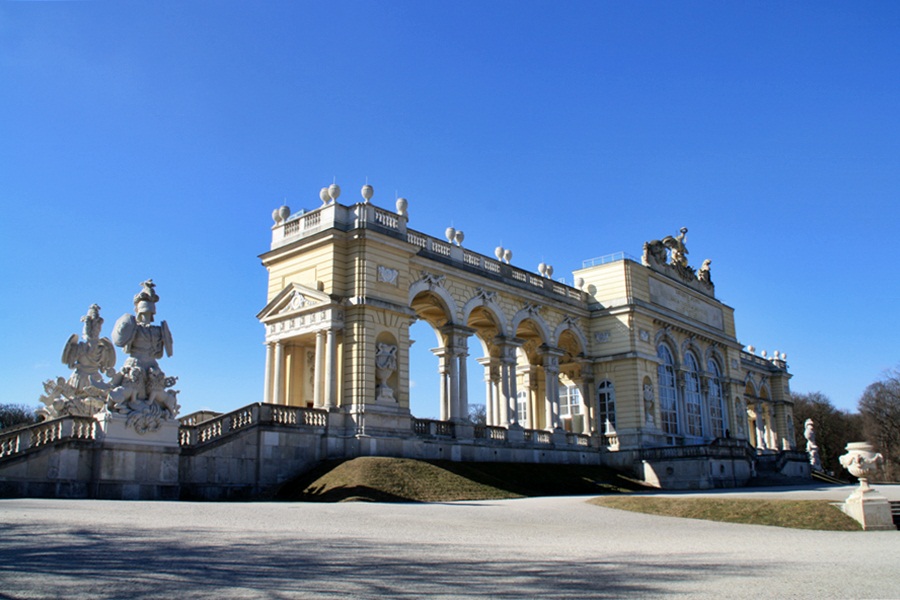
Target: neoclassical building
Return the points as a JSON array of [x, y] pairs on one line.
[[636, 365]]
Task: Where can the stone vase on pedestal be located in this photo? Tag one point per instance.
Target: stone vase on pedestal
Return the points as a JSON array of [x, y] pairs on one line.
[[865, 504]]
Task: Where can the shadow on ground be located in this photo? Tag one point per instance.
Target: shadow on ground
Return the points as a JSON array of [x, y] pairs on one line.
[[80, 563]]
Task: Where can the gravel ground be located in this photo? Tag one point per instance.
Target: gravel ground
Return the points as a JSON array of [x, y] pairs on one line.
[[531, 548]]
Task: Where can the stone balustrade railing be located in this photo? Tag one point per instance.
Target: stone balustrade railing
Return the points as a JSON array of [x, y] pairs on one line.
[[361, 216], [254, 414], [45, 433], [489, 432], [432, 428]]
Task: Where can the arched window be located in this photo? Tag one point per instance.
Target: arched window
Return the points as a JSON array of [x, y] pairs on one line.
[[606, 397], [668, 398], [716, 400], [692, 400]]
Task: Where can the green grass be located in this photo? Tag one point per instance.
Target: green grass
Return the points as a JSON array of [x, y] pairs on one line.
[[795, 514], [378, 479], [405, 480]]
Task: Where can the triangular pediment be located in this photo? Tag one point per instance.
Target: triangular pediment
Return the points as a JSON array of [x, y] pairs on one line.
[[292, 300]]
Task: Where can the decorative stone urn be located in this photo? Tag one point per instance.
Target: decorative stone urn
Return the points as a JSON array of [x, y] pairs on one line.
[[862, 461], [865, 504]]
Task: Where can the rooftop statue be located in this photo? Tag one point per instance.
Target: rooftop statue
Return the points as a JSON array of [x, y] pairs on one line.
[[669, 256], [84, 393], [140, 389]]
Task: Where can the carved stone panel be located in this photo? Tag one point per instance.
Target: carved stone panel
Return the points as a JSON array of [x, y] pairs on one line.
[[669, 297]]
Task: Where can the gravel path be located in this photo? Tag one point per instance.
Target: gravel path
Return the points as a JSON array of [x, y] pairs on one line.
[[531, 548]]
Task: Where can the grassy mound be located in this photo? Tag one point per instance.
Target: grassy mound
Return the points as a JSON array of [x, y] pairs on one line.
[[795, 514], [381, 479]]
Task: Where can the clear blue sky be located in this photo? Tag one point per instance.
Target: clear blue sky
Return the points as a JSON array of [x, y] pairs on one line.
[[154, 140]]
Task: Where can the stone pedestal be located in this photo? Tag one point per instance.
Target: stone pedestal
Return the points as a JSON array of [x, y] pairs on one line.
[[871, 509], [133, 466], [114, 429]]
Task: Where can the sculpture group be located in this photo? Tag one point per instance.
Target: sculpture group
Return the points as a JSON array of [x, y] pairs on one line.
[[140, 391]]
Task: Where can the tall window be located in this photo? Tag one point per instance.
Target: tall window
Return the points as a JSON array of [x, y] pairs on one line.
[[668, 404], [569, 401], [692, 399], [607, 401], [522, 407], [716, 400]]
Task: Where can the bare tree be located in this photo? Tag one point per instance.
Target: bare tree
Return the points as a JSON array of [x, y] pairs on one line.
[[880, 409], [16, 414], [477, 414]]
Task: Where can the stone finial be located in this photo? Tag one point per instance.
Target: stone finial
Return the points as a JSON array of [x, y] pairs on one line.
[[507, 255], [334, 191], [542, 269], [367, 192], [324, 196], [498, 252], [459, 237], [402, 204], [549, 271], [280, 215], [450, 233], [751, 349], [579, 283]]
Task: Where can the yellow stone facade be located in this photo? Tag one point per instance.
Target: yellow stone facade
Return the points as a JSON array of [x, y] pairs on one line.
[[646, 348]]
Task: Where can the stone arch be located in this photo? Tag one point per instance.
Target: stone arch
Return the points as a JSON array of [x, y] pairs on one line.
[[538, 323], [440, 296], [713, 353], [691, 345], [568, 325], [664, 337], [488, 305]]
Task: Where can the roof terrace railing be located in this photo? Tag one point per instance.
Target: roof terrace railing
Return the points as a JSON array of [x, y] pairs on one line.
[[358, 216]]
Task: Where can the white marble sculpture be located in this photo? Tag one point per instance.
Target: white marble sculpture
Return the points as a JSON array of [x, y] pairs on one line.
[[385, 365], [84, 393], [141, 390], [812, 449]]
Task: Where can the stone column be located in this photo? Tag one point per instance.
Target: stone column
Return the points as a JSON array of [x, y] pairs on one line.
[[503, 396], [551, 386], [589, 401], [508, 385], [491, 377], [462, 355], [330, 369], [444, 372], [267, 384], [278, 375], [318, 369]]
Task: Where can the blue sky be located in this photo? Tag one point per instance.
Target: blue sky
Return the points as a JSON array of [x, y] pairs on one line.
[[154, 140]]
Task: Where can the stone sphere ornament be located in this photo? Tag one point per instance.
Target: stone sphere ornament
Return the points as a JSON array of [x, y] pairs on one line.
[[450, 233], [549, 271], [367, 192], [334, 192], [459, 237], [323, 195], [498, 252], [402, 204], [542, 269], [507, 255]]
